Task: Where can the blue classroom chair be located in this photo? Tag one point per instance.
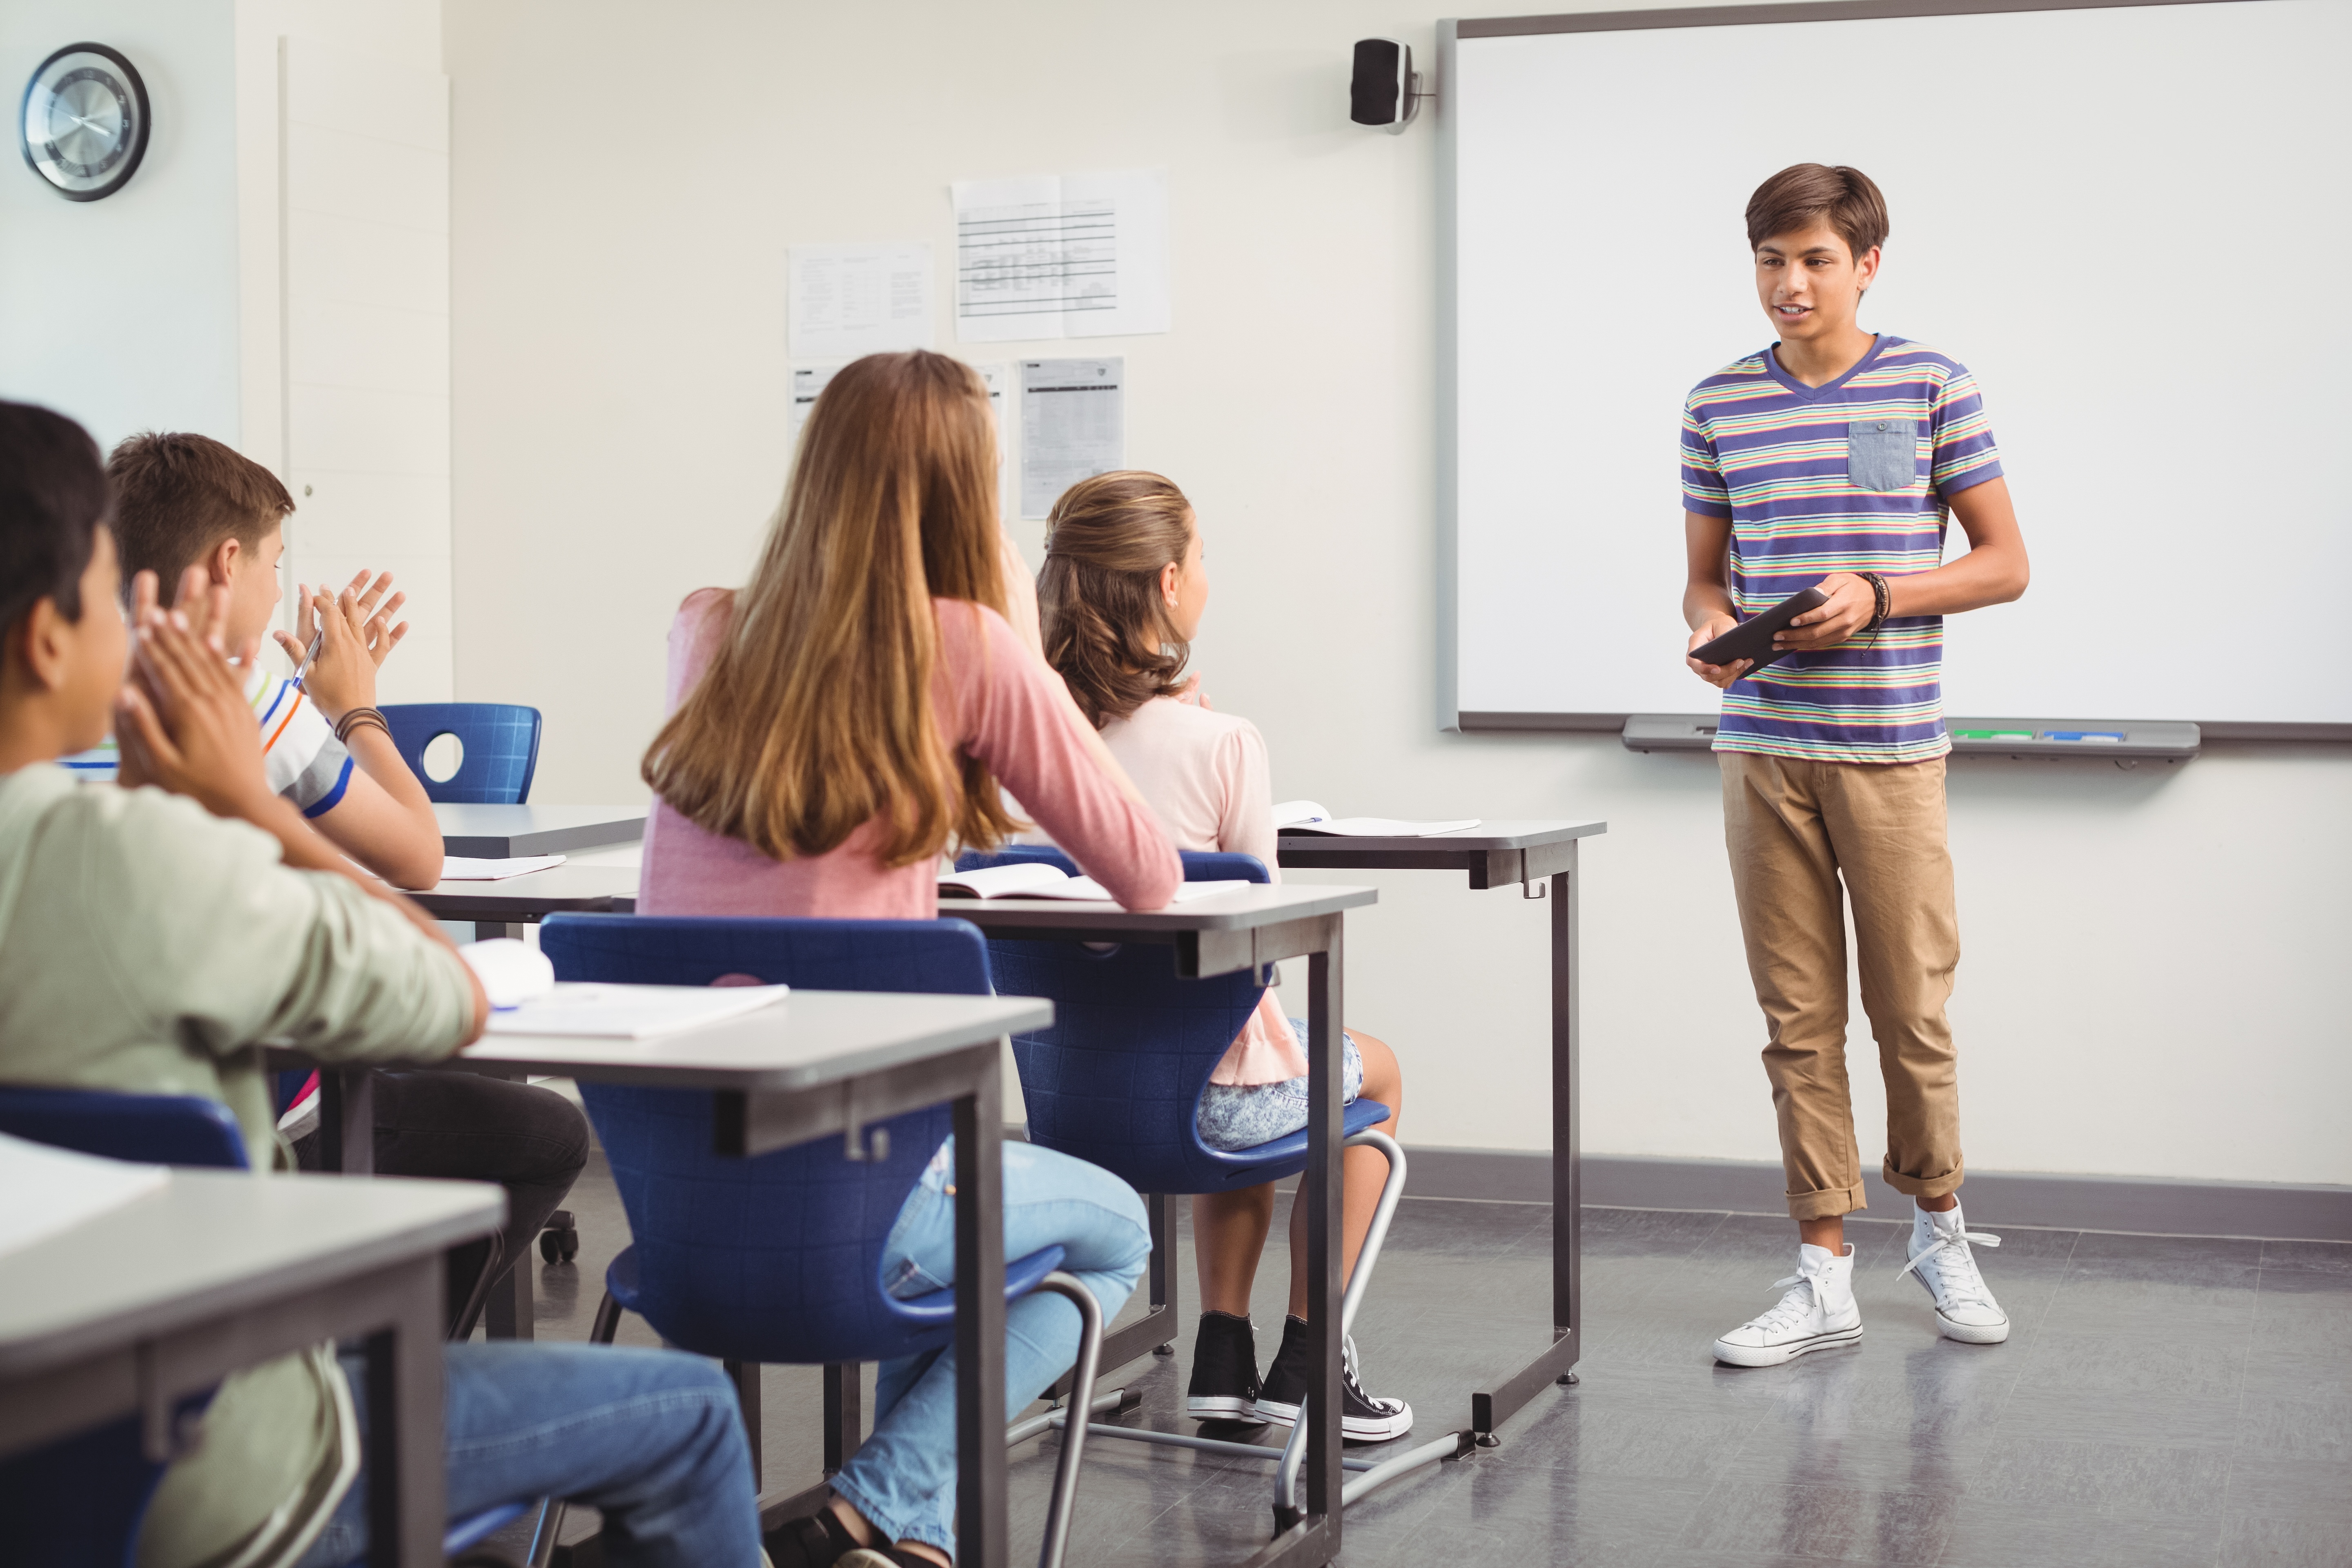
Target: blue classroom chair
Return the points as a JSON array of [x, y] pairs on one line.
[[78, 1503], [501, 742], [778, 1258], [1117, 1080]]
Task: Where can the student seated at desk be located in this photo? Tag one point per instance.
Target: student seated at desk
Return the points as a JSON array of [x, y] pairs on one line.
[[836, 723], [152, 937], [201, 517], [1121, 595]]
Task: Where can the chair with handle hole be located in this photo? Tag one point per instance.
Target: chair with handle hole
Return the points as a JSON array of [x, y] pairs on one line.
[[499, 741], [1117, 1080], [778, 1258], [78, 1503]]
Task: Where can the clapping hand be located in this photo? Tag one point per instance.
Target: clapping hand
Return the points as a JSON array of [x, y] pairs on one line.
[[182, 720], [355, 633]]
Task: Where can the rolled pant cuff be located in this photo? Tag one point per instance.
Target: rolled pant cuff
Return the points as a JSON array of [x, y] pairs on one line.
[[1827, 1204], [1924, 1186]]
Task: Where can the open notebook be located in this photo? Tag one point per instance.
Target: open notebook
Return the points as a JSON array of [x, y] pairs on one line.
[[1306, 816], [1036, 880]]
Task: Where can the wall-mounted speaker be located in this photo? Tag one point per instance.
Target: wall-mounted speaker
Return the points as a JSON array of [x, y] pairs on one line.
[[1384, 90]]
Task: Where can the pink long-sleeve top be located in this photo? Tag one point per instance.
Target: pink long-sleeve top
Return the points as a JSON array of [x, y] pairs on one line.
[[995, 701]]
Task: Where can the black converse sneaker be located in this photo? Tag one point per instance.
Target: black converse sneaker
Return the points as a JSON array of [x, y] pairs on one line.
[[1362, 1418], [1224, 1371]]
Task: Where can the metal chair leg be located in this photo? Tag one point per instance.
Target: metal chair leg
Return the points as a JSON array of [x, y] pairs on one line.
[[607, 1323], [1082, 1398], [1294, 1452]]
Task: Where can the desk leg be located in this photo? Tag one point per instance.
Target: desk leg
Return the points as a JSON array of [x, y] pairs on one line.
[[406, 1512], [485, 930], [347, 1120], [1567, 1126], [981, 1538], [1491, 1406], [1312, 1537]]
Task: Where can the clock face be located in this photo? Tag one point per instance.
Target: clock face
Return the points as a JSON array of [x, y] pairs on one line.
[[84, 125]]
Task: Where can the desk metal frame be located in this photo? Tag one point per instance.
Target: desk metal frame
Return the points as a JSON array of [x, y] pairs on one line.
[[757, 1112], [1206, 941], [1499, 854], [146, 1364]]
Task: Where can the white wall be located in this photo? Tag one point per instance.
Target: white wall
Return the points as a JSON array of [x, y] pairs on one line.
[[124, 312], [2143, 989]]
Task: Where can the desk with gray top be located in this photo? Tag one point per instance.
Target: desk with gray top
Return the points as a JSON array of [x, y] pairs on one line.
[[142, 1306], [506, 832], [1540, 858], [496, 907], [831, 1063], [1242, 929]]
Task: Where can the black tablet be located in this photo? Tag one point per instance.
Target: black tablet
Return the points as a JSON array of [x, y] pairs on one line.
[[1752, 638]]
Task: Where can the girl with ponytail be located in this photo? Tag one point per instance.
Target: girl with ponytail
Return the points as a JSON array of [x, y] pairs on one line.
[[1122, 597]]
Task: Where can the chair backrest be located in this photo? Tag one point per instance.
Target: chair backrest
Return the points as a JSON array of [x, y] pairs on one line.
[[79, 1503], [159, 1129], [1116, 1080], [777, 1258], [501, 742]]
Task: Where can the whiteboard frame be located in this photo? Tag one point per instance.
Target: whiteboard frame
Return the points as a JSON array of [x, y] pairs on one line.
[[1451, 718]]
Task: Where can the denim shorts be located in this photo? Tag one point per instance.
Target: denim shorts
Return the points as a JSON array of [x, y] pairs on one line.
[[1236, 1115]]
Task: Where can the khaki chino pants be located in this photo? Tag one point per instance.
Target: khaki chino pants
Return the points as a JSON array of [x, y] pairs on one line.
[[1801, 835]]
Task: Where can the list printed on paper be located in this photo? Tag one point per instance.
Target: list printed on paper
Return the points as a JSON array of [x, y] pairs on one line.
[[1071, 255], [852, 300], [1073, 426]]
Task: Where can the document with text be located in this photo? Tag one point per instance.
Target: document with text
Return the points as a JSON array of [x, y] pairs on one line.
[[853, 299], [1073, 426], [1062, 256]]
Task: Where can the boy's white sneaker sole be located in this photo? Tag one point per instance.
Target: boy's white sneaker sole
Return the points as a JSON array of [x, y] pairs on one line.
[[1787, 1350]]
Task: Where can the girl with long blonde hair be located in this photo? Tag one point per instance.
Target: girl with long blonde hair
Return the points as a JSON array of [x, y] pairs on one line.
[[1123, 591], [838, 723]]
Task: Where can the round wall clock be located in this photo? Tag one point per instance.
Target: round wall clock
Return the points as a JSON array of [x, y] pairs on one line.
[[84, 121]]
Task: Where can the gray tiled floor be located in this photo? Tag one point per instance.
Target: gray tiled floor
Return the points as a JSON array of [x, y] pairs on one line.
[[2163, 1401]]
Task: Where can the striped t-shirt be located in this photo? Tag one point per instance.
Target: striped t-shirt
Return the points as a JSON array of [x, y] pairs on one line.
[[1854, 475], [300, 755]]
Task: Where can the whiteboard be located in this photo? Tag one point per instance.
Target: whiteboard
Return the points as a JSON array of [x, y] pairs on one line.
[[2132, 222]]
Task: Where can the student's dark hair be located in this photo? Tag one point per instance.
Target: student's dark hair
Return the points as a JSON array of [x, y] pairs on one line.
[[53, 499], [177, 496], [1803, 194], [1105, 627]]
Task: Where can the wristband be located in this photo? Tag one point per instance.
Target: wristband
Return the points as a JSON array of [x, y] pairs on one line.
[[357, 717], [1879, 591]]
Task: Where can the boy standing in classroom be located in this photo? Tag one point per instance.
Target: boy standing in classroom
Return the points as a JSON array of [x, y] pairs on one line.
[[1833, 459]]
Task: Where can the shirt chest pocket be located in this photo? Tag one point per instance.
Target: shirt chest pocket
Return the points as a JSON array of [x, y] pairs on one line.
[[1881, 455]]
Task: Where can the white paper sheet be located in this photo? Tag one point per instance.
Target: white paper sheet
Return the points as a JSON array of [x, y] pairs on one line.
[[464, 868], [46, 1192], [1380, 827], [631, 1012], [853, 299], [1073, 426], [808, 379], [1066, 256]]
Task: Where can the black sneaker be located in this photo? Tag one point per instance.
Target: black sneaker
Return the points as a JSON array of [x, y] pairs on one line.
[[1362, 1418], [1224, 1371]]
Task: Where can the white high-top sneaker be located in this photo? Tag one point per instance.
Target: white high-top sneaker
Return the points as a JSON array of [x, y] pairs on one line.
[[1940, 1259], [1818, 1311]]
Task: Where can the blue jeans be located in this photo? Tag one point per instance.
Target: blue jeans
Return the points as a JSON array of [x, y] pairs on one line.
[[654, 1438], [904, 1479]]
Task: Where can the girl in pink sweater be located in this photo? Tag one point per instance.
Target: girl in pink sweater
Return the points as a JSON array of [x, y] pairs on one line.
[[838, 723], [1121, 596]]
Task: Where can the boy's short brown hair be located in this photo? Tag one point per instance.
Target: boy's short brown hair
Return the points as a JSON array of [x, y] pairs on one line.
[[177, 496], [1805, 194]]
